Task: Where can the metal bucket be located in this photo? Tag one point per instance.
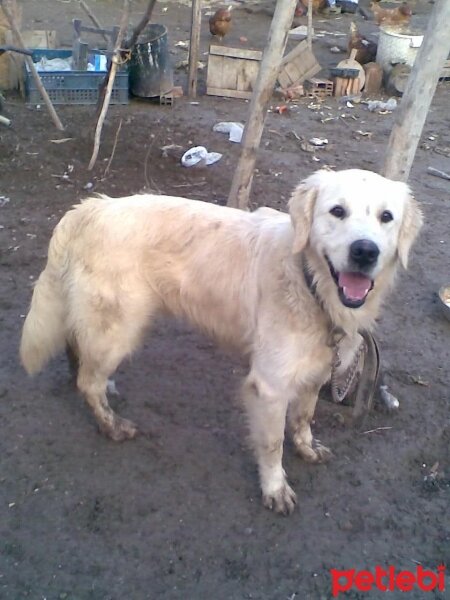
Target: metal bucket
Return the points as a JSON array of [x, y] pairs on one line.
[[150, 71], [397, 47]]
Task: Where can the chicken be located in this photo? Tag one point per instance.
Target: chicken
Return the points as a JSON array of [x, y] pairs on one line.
[[366, 50], [393, 17], [302, 7], [220, 22]]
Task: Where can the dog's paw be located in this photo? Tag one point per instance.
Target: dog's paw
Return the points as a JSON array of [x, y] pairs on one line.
[[317, 453], [281, 501], [120, 430]]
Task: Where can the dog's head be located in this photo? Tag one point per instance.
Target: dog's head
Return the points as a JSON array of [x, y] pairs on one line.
[[356, 222]]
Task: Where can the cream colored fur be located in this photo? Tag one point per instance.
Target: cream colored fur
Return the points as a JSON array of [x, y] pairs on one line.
[[114, 264]]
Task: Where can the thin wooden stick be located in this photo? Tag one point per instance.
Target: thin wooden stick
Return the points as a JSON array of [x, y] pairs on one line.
[[140, 26], [30, 63], [93, 18], [194, 45], [112, 75], [116, 139]]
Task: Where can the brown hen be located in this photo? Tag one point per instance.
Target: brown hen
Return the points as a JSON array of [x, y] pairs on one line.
[[220, 22], [302, 7], [366, 50], [393, 17]]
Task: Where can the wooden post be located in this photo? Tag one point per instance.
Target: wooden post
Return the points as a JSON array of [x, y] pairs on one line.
[[415, 103], [268, 72], [30, 63], [310, 25], [194, 47]]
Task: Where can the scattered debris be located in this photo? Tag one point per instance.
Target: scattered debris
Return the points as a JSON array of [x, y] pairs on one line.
[[4, 201], [437, 173], [61, 141], [389, 401], [183, 45], [5, 121], [235, 130], [367, 134], [172, 150], [319, 142], [376, 430], [382, 107], [335, 50], [419, 381], [280, 110], [433, 480], [184, 64], [199, 157]]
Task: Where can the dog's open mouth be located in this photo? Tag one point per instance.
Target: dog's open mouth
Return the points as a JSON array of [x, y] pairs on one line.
[[353, 286]]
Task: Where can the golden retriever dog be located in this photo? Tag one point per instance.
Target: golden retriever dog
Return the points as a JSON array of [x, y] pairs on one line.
[[272, 285]]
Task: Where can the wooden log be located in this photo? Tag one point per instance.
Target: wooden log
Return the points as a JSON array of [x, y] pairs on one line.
[[30, 63], [194, 47], [268, 73], [412, 112]]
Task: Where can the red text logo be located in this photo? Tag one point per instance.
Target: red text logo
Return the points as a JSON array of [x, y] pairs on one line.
[[387, 580]]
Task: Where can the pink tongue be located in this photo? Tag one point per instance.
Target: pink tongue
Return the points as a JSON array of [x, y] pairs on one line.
[[356, 286]]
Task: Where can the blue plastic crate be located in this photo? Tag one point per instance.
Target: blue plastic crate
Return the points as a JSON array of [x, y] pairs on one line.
[[73, 87]]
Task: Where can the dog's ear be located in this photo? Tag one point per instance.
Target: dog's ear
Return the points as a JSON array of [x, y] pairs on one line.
[[301, 209], [410, 227]]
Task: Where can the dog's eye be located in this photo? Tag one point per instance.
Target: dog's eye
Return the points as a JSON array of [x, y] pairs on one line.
[[338, 211], [386, 216]]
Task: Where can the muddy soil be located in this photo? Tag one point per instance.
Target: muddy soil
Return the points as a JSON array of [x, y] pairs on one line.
[[176, 513]]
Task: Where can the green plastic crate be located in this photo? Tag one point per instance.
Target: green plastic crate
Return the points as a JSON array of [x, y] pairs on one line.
[[72, 87]]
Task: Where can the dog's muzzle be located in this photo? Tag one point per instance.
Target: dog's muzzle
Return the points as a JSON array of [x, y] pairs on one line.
[[353, 286]]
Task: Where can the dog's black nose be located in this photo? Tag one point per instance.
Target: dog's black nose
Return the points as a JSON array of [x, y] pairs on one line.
[[364, 253]]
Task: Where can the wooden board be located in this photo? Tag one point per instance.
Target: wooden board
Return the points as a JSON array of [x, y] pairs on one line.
[[297, 66], [232, 72]]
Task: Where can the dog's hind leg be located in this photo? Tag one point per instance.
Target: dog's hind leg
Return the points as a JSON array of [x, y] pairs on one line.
[[266, 411], [92, 382], [102, 344], [300, 414]]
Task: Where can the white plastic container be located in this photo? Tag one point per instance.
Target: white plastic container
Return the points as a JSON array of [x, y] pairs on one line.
[[395, 47]]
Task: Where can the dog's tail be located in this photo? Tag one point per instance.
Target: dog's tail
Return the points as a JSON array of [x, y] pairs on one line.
[[44, 330]]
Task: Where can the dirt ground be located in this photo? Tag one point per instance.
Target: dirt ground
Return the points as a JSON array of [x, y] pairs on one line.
[[176, 513]]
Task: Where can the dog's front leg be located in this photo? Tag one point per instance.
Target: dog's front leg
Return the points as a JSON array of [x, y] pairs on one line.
[[301, 412], [266, 411]]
